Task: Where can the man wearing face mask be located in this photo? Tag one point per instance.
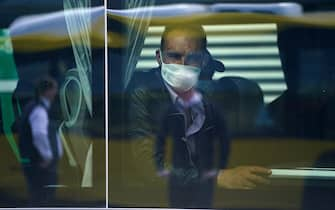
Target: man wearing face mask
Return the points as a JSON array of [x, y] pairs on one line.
[[167, 106]]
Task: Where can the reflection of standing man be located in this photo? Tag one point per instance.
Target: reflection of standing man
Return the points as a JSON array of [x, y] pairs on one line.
[[40, 145], [169, 105]]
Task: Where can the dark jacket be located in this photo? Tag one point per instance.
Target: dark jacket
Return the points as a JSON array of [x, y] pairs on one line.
[[152, 114]]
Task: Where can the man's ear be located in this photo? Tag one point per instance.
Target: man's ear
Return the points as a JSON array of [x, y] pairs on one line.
[[158, 57]]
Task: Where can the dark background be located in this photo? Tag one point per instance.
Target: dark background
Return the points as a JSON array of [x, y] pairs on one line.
[[11, 9]]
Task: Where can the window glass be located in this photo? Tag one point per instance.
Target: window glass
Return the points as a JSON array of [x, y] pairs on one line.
[[267, 140], [52, 104]]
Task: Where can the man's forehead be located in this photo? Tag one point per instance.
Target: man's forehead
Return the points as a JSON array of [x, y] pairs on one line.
[[192, 34], [182, 40]]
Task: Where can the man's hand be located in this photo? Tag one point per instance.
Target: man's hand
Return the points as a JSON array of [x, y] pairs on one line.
[[163, 173], [243, 177]]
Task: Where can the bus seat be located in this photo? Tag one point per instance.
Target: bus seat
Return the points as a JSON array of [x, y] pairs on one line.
[[241, 101], [211, 66], [305, 109]]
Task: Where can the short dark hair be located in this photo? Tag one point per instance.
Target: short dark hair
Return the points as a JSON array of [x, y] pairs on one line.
[[198, 30], [44, 84]]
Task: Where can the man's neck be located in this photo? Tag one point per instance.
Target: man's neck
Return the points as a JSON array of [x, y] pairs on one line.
[[45, 101], [187, 95]]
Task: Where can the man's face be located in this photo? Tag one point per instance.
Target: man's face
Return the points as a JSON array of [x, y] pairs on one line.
[[51, 93], [181, 48]]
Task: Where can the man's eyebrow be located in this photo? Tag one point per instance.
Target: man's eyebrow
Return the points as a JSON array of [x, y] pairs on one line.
[[171, 51], [174, 52]]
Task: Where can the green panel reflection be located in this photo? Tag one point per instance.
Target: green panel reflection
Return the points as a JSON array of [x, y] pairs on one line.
[[8, 81]]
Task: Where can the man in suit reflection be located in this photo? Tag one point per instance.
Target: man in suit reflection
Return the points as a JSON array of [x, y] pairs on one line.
[[40, 145], [168, 105]]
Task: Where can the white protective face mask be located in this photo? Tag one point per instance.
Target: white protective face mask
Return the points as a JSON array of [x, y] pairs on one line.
[[180, 77]]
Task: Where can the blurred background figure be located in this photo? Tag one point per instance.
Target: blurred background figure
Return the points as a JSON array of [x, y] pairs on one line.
[[39, 144]]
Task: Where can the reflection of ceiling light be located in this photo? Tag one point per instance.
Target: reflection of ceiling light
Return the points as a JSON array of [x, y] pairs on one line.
[[226, 28], [227, 51], [312, 173], [241, 27], [264, 74], [227, 39]]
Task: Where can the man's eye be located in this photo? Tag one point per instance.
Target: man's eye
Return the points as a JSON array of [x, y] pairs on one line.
[[194, 57], [175, 56]]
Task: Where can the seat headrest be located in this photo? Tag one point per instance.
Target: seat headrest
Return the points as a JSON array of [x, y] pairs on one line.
[[210, 67], [242, 102]]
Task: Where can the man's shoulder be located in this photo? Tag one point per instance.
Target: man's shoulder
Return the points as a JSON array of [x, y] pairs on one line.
[[28, 111], [29, 107], [146, 80], [35, 108]]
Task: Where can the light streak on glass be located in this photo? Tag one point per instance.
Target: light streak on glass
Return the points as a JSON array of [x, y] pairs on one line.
[[81, 22], [76, 92], [135, 36]]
